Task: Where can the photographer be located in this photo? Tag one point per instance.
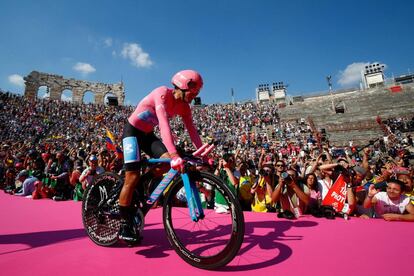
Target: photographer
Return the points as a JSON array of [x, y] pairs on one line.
[[262, 190], [89, 173], [352, 176], [280, 168], [245, 184], [226, 170], [290, 193]]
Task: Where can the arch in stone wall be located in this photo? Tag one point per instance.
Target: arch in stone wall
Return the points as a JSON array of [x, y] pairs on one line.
[[57, 84], [88, 97], [108, 94]]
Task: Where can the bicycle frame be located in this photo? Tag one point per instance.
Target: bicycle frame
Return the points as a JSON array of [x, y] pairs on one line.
[[191, 191]]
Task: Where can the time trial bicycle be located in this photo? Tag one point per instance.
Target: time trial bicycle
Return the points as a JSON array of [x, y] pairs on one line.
[[201, 236]]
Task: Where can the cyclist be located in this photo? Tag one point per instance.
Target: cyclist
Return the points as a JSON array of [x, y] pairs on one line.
[[156, 108]]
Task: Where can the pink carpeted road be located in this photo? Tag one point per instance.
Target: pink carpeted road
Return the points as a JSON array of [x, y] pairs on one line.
[[43, 237]]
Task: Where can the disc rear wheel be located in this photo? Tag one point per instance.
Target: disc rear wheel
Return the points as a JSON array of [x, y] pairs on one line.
[[102, 223]]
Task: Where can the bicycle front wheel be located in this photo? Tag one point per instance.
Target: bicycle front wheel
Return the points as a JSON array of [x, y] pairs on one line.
[[214, 240]]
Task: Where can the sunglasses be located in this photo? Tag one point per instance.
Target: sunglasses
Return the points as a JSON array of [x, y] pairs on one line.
[[280, 165]]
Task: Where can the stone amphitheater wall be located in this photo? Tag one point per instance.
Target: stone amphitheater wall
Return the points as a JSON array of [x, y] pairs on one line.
[[57, 84], [358, 123]]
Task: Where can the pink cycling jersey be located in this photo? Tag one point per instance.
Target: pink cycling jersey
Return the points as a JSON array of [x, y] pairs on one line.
[[156, 109]]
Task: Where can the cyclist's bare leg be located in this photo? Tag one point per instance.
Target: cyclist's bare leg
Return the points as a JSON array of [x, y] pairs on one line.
[[131, 181], [127, 231]]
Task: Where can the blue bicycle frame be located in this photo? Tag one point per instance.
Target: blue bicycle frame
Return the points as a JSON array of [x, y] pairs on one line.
[[191, 191]]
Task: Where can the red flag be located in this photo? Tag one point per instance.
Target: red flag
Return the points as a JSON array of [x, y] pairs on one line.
[[336, 196], [119, 152]]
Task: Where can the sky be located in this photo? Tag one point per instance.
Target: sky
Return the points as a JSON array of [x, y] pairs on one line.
[[233, 44]]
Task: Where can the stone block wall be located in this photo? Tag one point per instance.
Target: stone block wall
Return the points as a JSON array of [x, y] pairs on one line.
[[358, 123]]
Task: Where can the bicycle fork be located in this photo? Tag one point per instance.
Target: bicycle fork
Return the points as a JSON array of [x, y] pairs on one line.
[[193, 198]]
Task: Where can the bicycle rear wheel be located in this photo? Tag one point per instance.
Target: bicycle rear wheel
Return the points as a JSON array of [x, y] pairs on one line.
[[101, 224], [214, 240]]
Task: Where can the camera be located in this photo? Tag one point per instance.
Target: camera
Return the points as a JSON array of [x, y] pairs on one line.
[[328, 212], [286, 176], [324, 211]]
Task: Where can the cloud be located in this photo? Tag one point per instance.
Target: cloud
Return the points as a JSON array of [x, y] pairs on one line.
[[108, 42], [16, 80], [84, 68], [136, 55], [352, 74]]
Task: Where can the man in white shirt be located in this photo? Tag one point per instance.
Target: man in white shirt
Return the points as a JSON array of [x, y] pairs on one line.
[[90, 172], [392, 204]]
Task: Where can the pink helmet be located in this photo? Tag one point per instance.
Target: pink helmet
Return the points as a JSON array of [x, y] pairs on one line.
[[188, 80]]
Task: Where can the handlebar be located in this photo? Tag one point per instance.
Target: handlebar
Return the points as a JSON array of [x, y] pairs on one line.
[[193, 158]]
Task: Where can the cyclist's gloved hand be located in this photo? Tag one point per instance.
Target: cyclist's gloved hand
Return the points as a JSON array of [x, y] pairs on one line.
[[177, 163]]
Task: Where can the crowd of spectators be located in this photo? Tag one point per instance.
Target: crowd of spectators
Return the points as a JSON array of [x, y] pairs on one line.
[[53, 149], [400, 125]]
